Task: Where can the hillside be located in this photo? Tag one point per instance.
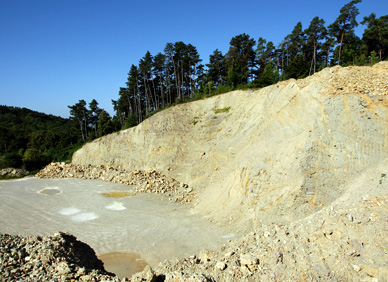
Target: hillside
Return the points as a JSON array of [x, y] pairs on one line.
[[46, 137], [300, 168], [274, 155]]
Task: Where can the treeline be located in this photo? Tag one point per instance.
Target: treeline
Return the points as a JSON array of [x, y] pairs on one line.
[[176, 74], [92, 122], [31, 139]]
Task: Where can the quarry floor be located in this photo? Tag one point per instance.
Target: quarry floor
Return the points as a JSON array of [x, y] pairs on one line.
[[143, 228]]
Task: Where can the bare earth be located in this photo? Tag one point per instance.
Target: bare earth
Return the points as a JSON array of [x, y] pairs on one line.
[[145, 224]]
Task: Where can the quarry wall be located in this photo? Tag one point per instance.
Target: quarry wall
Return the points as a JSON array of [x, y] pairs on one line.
[[271, 155]]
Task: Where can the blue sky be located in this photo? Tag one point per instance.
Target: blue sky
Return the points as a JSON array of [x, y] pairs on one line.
[[56, 52]]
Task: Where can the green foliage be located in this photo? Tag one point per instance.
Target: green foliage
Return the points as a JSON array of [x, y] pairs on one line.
[[33, 159], [31, 139], [297, 68], [216, 73], [131, 121], [342, 29], [11, 160], [268, 77], [375, 35], [240, 59], [223, 110], [195, 121], [383, 175]]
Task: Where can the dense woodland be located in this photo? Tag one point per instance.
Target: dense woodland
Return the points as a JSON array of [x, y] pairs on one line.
[[176, 75], [31, 139]]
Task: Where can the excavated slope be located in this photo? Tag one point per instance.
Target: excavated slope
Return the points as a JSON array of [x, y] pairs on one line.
[[277, 155]]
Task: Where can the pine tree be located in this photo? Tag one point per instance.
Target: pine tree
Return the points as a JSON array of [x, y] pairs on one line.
[[376, 35], [316, 33], [343, 27], [216, 69], [240, 59], [79, 113]]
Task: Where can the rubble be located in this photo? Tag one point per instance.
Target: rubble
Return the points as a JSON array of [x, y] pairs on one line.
[[60, 257], [150, 181], [326, 246], [9, 173]]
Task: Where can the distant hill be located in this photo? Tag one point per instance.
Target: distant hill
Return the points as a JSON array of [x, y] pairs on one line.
[[32, 139]]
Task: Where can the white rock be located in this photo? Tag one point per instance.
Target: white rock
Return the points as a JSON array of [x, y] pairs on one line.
[[248, 259], [220, 265]]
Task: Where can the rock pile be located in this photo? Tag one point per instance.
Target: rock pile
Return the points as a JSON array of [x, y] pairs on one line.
[[371, 81], [56, 258], [13, 173], [150, 181], [336, 244]]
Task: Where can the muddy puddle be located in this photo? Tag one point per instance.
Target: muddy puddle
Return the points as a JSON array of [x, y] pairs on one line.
[[50, 191], [123, 264]]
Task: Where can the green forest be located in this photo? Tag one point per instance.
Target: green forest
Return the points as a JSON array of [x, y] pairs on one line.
[[176, 75], [30, 139]]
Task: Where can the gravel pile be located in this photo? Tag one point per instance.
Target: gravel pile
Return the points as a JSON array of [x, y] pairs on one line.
[[150, 181], [56, 258], [371, 81]]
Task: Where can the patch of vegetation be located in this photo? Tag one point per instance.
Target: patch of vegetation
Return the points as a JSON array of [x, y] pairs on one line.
[[223, 110], [195, 121], [117, 194], [383, 175]]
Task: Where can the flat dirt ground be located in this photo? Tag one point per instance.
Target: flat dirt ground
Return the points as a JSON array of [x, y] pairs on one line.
[[143, 228]]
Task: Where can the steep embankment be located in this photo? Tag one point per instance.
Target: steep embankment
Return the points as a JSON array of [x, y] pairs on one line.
[[273, 155]]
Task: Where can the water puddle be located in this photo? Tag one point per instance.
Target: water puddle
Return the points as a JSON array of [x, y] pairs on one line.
[[117, 194], [123, 264], [50, 191]]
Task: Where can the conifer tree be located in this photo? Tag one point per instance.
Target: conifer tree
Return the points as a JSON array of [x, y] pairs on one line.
[[343, 27], [376, 35]]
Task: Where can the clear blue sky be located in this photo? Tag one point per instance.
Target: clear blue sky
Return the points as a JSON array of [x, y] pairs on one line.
[[56, 52]]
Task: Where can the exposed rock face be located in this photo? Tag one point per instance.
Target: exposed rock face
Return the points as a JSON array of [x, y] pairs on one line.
[[302, 165], [56, 258], [286, 150]]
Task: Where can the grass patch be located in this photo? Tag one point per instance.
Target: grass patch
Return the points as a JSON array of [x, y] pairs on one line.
[[223, 110], [117, 194]]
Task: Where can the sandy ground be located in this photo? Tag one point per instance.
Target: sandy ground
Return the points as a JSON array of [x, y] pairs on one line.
[[147, 225]]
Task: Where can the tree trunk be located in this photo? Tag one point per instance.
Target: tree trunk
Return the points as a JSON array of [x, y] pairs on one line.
[[339, 56], [380, 49]]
